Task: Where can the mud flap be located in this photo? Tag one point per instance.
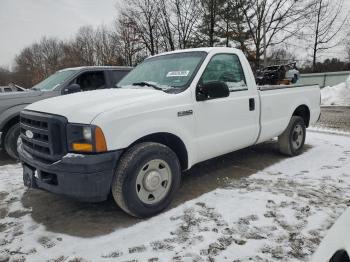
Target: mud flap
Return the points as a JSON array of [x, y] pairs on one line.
[[29, 176]]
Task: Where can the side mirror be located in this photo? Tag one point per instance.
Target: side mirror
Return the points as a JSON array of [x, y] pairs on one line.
[[211, 90], [73, 88]]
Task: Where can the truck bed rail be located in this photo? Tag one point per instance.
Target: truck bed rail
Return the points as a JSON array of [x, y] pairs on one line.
[[274, 87]]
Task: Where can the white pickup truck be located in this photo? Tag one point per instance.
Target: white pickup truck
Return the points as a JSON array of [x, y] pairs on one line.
[[172, 111]]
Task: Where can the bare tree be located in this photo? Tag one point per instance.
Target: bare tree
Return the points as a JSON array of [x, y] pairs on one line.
[[326, 23], [271, 22], [71, 54], [6, 76], [106, 47], [187, 14], [129, 43], [51, 53], [233, 26], [165, 25], [39, 60], [145, 15], [281, 55], [210, 18], [347, 49], [84, 45]]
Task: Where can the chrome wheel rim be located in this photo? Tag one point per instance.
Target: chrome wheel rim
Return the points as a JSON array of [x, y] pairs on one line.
[[153, 181], [297, 137]]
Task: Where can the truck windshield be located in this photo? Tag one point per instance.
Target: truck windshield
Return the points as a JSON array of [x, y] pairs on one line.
[[54, 80], [173, 71]]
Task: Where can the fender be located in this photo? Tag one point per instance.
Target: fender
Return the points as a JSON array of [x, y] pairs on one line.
[[302, 101], [9, 114], [127, 133], [296, 104]]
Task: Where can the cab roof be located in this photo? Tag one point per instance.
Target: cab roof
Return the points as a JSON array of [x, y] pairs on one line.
[[97, 68], [199, 49]]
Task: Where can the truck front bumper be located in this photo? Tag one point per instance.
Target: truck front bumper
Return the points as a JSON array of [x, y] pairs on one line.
[[84, 177]]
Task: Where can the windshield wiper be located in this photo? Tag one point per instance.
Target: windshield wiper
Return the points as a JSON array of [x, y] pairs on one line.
[[145, 83]]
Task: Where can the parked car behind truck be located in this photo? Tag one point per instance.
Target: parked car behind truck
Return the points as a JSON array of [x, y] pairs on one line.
[[172, 111], [11, 88], [278, 74], [65, 81]]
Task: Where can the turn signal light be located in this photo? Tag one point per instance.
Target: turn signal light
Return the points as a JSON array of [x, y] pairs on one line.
[[81, 147], [100, 141]]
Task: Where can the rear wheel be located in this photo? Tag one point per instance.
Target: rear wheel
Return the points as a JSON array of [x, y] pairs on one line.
[[146, 180], [292, 140], [11, 141]]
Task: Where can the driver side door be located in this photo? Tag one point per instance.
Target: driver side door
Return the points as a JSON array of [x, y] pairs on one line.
[[225, 124]]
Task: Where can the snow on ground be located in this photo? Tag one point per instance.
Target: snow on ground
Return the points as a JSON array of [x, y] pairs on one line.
[[336, 95], [279, 213]]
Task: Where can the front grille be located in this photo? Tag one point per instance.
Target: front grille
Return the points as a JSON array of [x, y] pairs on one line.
[[43, 135]]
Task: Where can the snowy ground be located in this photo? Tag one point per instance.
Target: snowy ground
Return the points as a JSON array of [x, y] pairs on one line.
[[336, 95], [279, 213]]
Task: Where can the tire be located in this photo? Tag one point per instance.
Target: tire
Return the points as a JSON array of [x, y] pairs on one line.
[[10, 141], [291, 141], [145, 167]]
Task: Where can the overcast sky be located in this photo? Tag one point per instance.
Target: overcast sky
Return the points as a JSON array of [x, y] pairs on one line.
[[23, 22]]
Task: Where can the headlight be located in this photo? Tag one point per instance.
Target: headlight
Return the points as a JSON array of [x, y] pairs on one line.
[[87, 133], [85, 138]]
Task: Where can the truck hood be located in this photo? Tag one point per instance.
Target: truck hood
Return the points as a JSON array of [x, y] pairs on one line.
[[23, 94], [84, 107]]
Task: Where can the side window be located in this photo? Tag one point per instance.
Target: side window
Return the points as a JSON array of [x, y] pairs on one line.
[[91, 80], [7, 89], [117, 75], [226, 68]]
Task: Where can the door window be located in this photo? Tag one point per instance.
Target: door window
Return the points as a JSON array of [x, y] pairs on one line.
[[226, 68], [91, 80]]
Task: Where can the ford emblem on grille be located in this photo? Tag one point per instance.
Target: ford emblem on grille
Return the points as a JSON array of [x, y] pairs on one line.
[[29, 134]]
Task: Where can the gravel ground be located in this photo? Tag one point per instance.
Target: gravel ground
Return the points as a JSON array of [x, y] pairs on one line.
[[335, 117]]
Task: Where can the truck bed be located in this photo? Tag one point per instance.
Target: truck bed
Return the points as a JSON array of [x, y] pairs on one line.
[[277, 103]]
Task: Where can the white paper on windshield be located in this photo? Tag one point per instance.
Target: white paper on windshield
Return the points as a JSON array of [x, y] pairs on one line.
[[177, 73]]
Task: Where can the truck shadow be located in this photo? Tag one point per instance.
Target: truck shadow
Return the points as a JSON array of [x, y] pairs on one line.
[[5, 159], [66, 216]]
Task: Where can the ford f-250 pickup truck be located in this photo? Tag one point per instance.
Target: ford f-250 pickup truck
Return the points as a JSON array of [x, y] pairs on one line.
[[63, 82], [172, 111]]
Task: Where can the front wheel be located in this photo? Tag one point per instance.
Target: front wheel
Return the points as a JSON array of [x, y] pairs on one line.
[[11, 141], [147, 177], [292, 140]]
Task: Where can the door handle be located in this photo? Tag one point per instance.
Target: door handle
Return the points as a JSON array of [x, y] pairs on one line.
[[251, 104]]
